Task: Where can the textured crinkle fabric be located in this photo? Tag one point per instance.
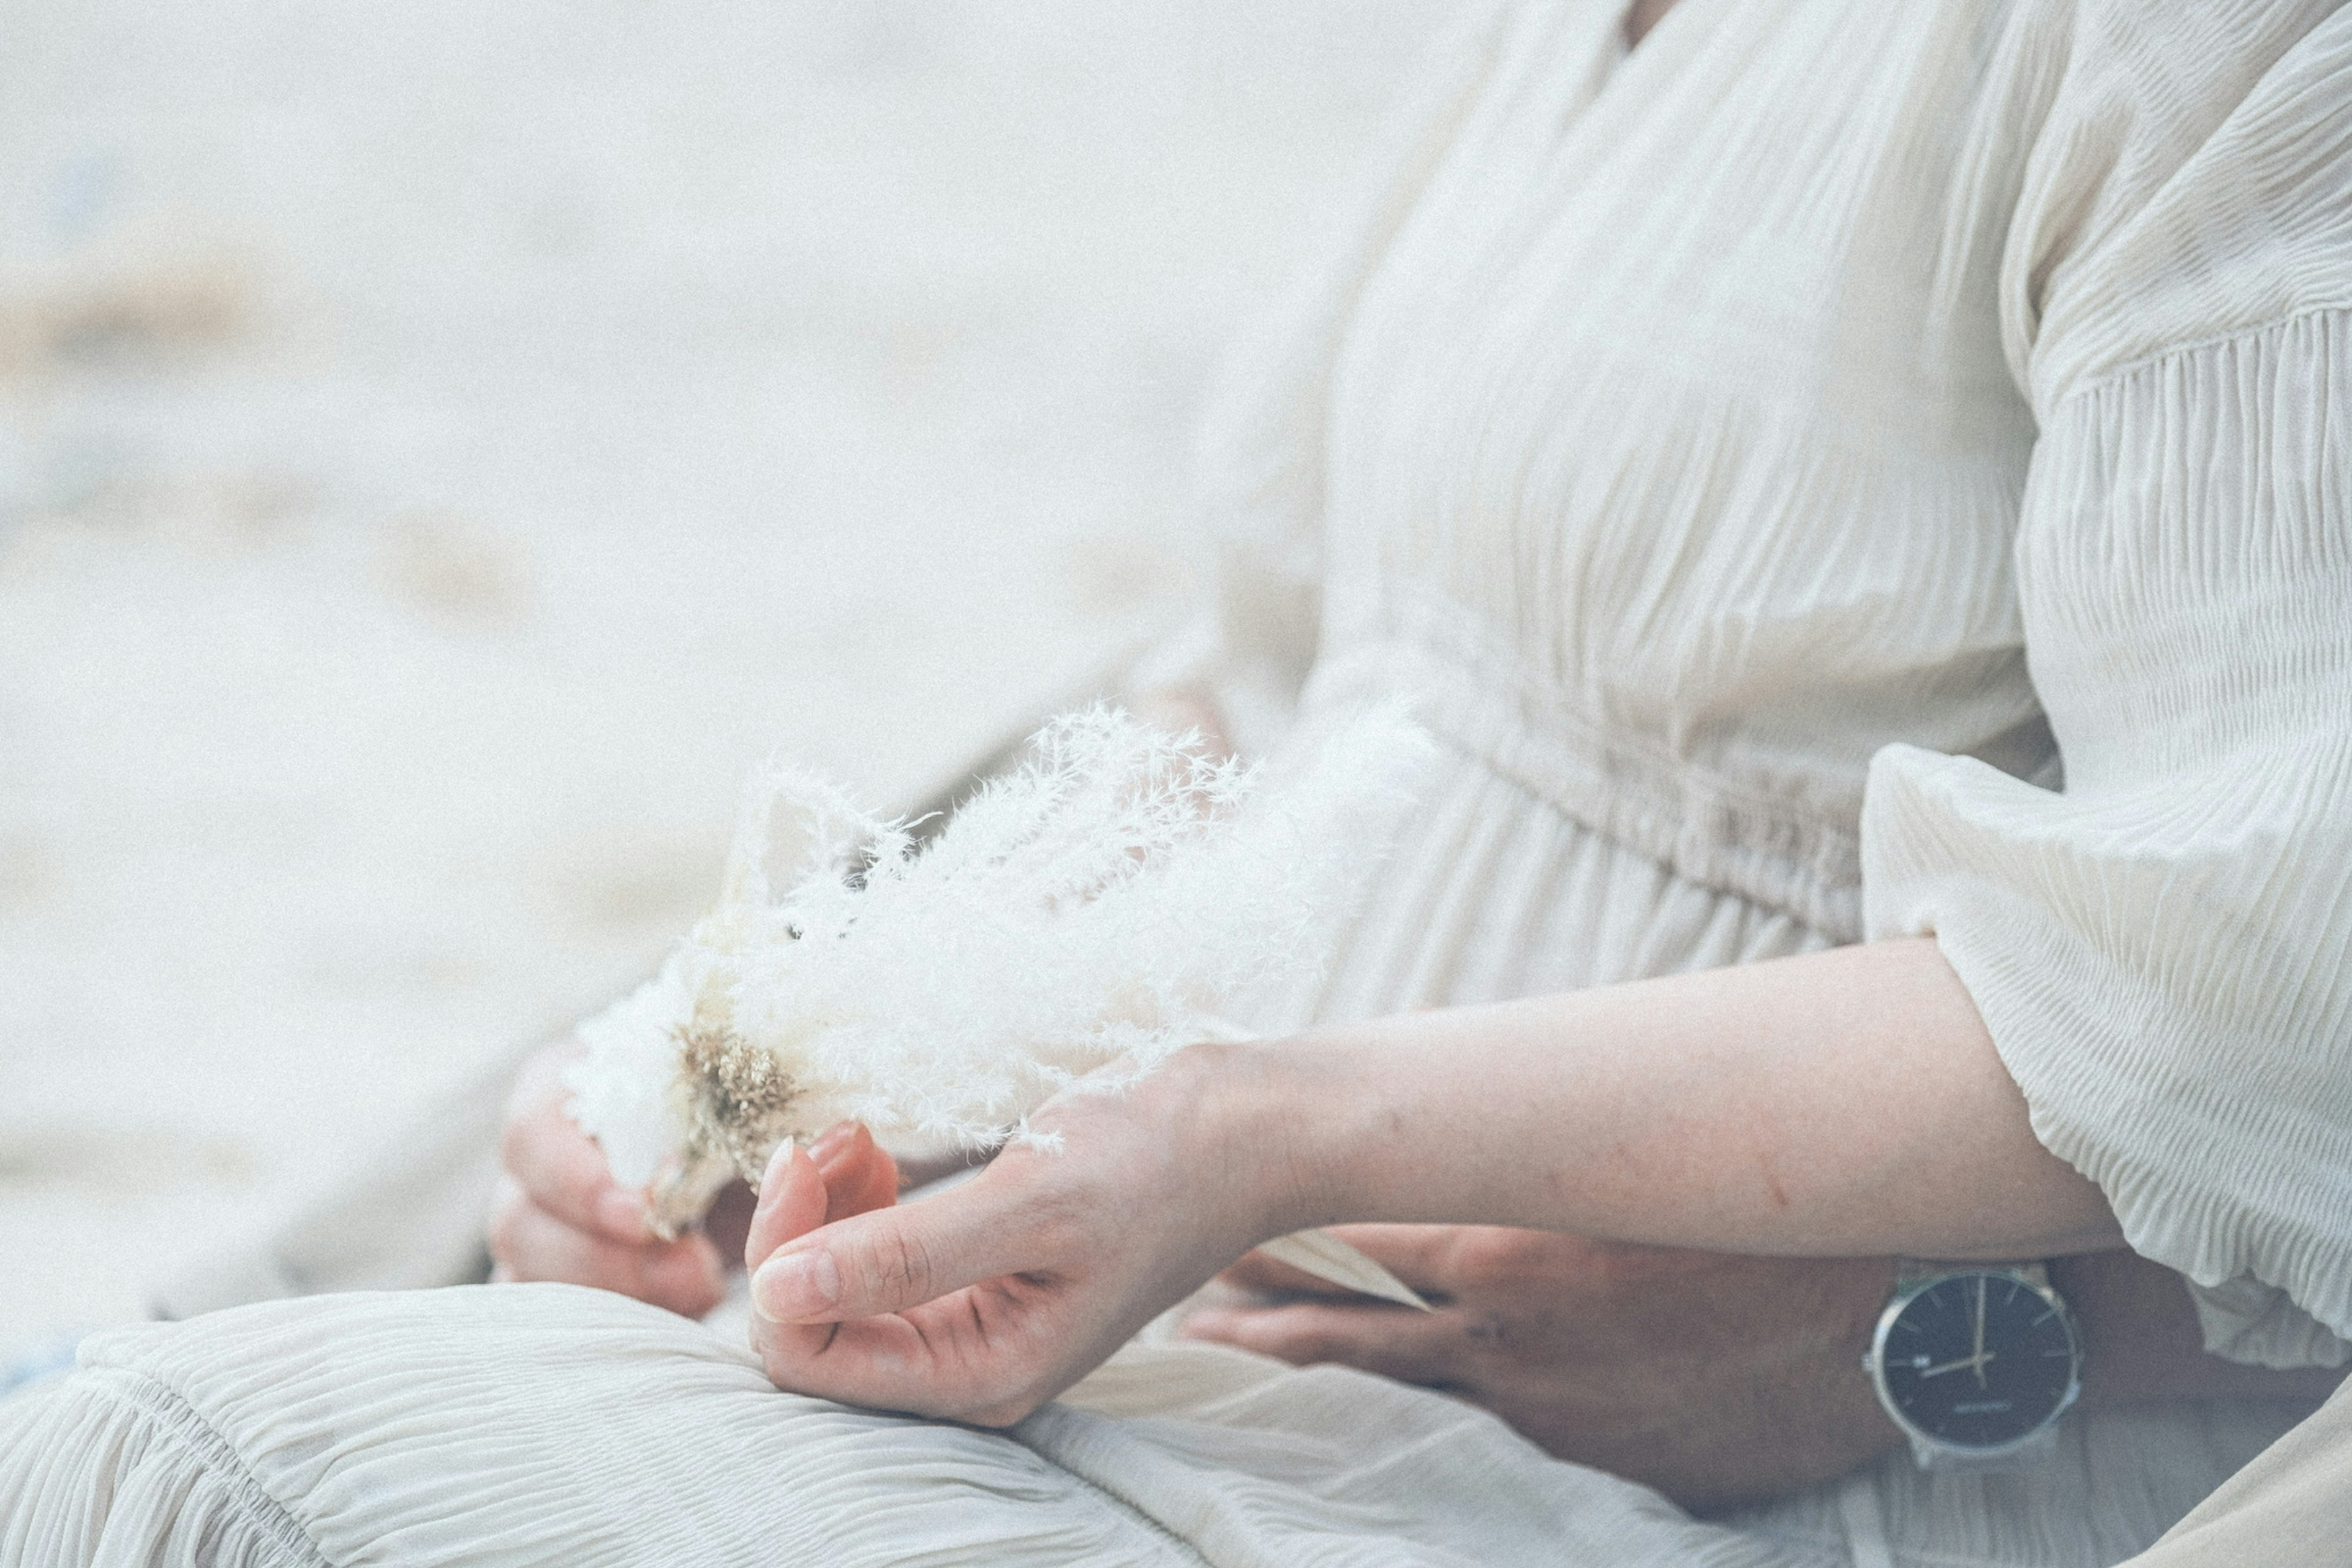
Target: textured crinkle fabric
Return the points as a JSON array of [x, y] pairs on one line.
[[1890, 463], [100, 1468], [500, 1426], [2163, 951]]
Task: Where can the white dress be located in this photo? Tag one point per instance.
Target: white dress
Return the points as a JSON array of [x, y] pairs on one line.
[[1844, 469]]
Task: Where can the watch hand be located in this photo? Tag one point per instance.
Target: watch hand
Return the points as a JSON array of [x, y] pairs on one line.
[[1980, 1357], [1975, 1361]]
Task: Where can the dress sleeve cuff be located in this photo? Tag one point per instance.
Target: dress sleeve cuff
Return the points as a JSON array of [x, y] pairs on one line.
[[2215, 1146], [2246, 1321]]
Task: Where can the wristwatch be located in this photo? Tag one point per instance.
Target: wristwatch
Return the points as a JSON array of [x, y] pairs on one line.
[[1975, 1363]]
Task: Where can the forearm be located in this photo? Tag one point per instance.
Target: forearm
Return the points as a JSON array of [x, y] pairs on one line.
[[1845, 1104], [1842, 1103]]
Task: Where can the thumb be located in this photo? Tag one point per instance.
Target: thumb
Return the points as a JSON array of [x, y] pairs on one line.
[[890, 1260]]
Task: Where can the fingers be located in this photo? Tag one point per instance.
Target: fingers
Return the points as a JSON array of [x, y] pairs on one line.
[[530, 1243], [843, 1173], [824, 1326], [561, 1216], [988, 1354], [888, 1259], [859, 1174], [561, 1167], [1426, 1348], [961, 1305]]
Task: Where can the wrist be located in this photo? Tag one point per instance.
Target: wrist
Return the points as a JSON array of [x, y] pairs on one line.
[[1270, 1138], [1307, 1125]]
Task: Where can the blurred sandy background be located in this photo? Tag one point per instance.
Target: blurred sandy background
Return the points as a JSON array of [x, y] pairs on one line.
[[442, 443]]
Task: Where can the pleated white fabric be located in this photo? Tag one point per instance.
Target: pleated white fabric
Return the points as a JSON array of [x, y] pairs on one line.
[[2163, 952], [544, 1426], [511, 1425], [1844, 469]]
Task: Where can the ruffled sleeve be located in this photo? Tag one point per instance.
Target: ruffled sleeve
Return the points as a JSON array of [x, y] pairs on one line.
[[1259, 464], [2162, 952]]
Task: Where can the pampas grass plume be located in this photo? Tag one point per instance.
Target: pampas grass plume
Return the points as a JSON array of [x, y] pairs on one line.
[[1120, 896]]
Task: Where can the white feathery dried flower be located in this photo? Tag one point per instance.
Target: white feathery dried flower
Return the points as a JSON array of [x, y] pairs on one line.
[[1113, 899]]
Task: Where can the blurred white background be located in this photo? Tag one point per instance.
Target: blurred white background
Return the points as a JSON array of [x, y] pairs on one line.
[[441, 444]]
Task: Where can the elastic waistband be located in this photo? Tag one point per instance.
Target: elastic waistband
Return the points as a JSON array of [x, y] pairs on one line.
[[1705, 828]]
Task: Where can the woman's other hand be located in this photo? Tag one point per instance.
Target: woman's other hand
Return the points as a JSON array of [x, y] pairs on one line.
[[1714, 1378], [560, 1216], [983, 1301]]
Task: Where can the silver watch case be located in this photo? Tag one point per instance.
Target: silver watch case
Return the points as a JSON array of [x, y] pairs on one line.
[[1931, 1452]]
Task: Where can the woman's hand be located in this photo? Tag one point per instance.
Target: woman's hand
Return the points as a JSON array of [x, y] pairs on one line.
[[1712, 1377], [560, 1215], [983, 1301]]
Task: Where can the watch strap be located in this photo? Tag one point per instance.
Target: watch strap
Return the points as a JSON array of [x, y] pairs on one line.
[[1911, 1270], [1935, 1456]]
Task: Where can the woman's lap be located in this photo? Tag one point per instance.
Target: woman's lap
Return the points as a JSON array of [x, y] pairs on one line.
[[549, 1425]]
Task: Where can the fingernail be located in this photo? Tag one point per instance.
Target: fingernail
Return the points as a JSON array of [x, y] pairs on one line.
[[621, 1212], [776, 1162], [798, 1287], [831, 1139]]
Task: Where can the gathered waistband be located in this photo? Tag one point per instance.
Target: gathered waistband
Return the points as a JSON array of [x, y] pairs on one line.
[[1709, 829]]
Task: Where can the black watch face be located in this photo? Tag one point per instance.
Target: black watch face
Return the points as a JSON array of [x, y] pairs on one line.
[[1979, 1360]]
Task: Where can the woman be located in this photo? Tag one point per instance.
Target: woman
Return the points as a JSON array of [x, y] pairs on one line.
[[1827, 472]]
